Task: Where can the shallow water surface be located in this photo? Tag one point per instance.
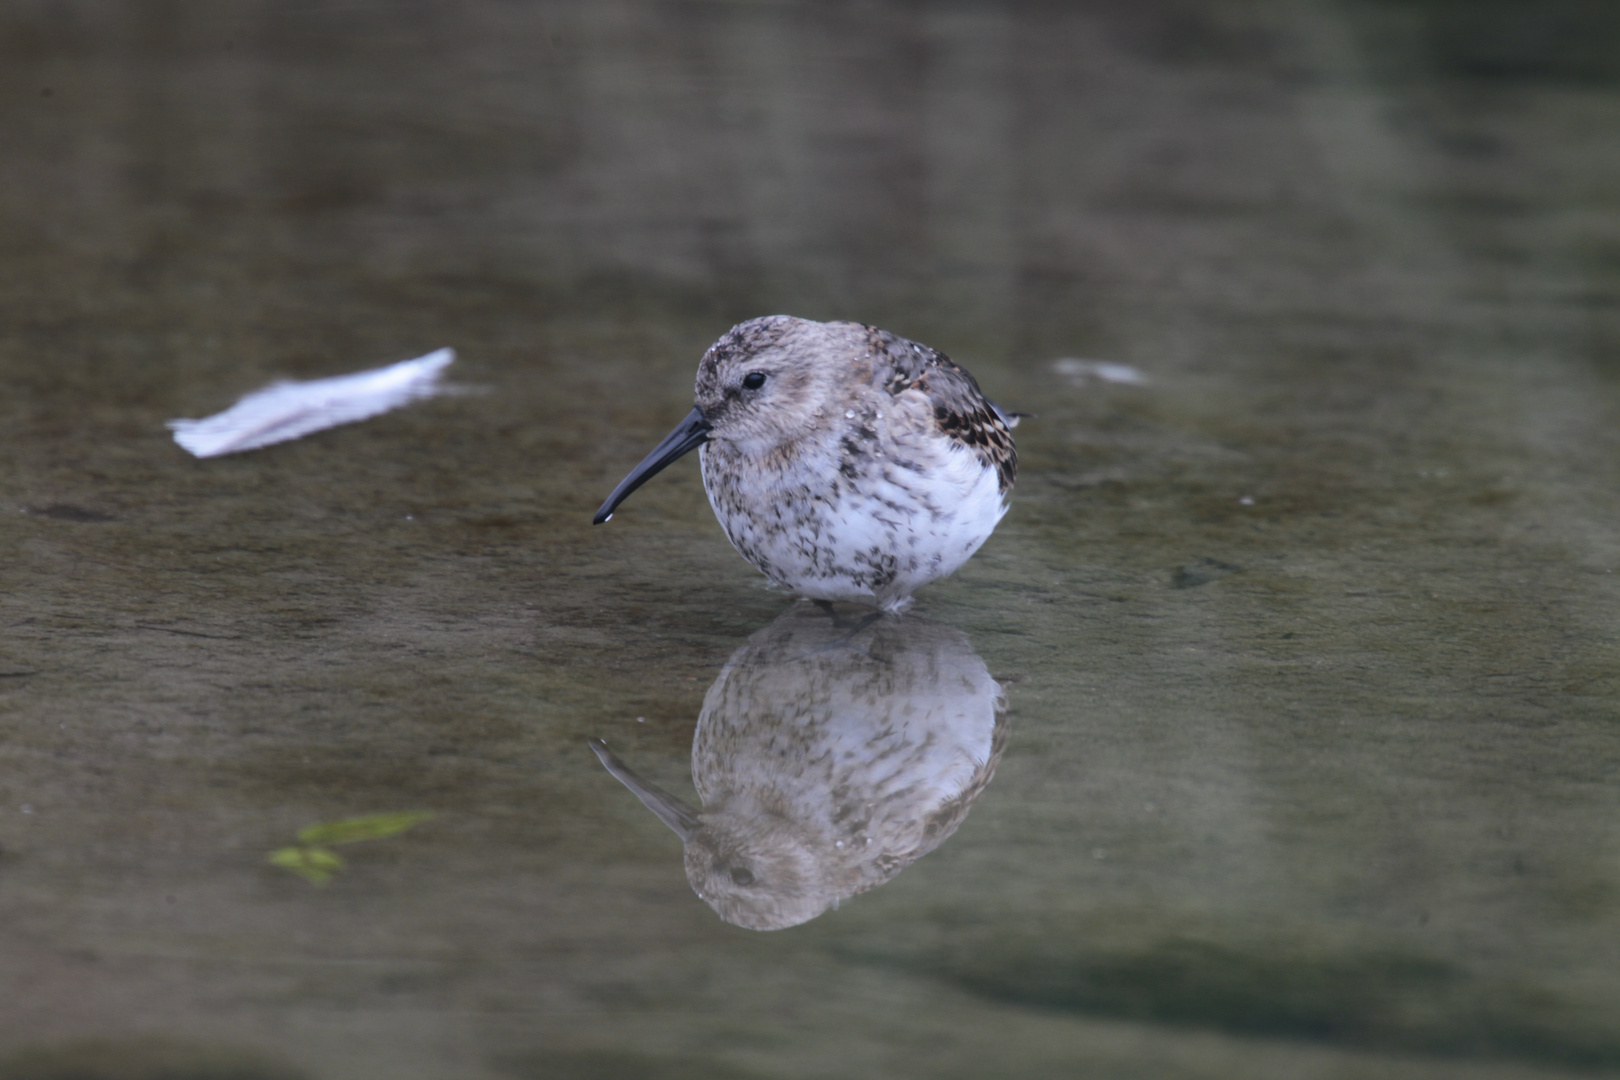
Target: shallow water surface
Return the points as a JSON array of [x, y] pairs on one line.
[[1295, 661]]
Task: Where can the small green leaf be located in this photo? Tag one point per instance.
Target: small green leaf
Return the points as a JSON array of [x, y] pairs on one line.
[[315, 865], [370, 827]]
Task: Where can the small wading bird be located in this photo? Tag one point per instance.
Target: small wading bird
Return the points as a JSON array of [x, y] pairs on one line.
[[844, 462]]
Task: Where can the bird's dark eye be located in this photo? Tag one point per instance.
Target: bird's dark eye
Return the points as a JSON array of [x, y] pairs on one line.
[[741, 874], [753, 380]]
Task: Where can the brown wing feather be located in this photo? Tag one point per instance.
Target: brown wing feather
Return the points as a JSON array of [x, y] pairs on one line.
[[961, 410]]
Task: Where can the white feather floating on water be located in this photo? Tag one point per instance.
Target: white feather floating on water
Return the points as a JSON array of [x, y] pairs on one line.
[[291, 410], [1106, 370]]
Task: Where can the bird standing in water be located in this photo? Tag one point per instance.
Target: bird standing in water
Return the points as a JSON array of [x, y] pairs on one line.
[[844, 462]]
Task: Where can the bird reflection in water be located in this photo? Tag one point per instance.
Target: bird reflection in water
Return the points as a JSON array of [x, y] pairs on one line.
[[829, 756]]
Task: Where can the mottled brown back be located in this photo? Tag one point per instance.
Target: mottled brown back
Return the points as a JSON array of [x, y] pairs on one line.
[[961, 410]]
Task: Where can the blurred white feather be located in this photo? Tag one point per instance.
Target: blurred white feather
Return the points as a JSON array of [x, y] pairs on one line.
[[291, 410], [1109, 371]]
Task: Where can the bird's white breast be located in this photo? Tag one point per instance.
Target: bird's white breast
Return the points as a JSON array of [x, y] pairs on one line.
[[871, 528]]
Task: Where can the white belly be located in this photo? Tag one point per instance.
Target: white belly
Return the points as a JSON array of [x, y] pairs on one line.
[[874, 537]]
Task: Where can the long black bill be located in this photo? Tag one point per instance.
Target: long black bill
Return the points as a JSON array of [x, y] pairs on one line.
[[670, 810], [690, 434]]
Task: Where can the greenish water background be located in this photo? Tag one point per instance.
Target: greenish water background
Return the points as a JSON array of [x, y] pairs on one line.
[[1321, 784]]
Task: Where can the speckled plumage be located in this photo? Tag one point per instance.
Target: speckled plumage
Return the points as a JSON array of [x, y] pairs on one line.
[[861, 466], [828, 760]]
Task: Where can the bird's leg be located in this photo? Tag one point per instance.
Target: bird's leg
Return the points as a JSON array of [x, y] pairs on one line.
[[866, 620], [839, 623], [845, 640]]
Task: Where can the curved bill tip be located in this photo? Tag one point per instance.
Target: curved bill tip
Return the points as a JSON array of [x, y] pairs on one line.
[[689, 434], [681, 818]]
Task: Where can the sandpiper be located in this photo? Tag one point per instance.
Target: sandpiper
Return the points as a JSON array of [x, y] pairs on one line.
[[844, 462]]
